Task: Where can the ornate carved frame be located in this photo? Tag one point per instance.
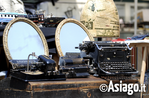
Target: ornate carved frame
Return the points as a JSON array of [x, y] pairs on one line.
[[6, 32], [58, 29]]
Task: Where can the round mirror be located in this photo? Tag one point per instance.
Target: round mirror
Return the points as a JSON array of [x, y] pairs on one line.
[[69, 34], [22, 37]]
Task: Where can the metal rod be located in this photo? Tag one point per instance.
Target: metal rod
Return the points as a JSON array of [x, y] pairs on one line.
[[33, 54], [28, 62], [135, 20]]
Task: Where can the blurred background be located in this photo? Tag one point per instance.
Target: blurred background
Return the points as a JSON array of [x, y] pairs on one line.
[[73, 8]]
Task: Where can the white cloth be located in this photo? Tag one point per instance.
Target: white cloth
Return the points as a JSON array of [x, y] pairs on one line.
[[16, 6]]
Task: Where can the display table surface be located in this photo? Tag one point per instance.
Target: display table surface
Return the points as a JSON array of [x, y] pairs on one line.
[[71, 88], [74, 88]]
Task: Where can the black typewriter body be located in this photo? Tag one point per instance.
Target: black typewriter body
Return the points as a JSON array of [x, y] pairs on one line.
[[74, 66], [40, 69], [110, 59]]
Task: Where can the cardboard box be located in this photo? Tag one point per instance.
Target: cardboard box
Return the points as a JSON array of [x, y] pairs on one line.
[[143, 15]]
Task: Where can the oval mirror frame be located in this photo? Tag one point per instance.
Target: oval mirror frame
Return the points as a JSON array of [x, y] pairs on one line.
[[58, 30], [21, 19]]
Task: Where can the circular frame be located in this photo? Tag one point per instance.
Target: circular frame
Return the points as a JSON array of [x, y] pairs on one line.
[[20, 19], [58, 29]]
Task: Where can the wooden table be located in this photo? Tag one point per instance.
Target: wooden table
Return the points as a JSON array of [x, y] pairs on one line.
[[145, 44], [74, 88], [71, 88]]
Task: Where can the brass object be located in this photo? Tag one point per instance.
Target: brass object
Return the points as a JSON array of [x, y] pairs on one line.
[[21, 19], [58, 30], [101, 18], [32, 72]]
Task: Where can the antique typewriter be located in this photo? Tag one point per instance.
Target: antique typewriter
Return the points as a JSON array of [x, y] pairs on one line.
[[40, 69], [73, 66], [109, 60]]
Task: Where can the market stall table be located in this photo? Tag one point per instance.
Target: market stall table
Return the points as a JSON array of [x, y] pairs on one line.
[[140, 43], [71, 88], [77, 87], [145, 44]]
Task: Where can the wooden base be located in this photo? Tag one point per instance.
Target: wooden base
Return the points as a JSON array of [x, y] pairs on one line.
[[71, 88]]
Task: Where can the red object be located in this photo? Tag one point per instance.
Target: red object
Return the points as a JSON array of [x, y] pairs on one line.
[[119, 39]]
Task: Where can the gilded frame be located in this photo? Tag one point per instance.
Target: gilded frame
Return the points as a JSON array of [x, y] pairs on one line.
[[6, 32], [58, 29]]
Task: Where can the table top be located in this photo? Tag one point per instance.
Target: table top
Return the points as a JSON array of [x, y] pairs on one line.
[[90, 82], [75, 87], [90, 79]]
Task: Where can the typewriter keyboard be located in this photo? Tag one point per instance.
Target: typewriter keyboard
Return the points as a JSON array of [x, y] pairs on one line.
[[109, 66]]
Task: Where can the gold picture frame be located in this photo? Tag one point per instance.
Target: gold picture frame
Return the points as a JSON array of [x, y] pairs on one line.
[[21, 19], [58, 29]]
